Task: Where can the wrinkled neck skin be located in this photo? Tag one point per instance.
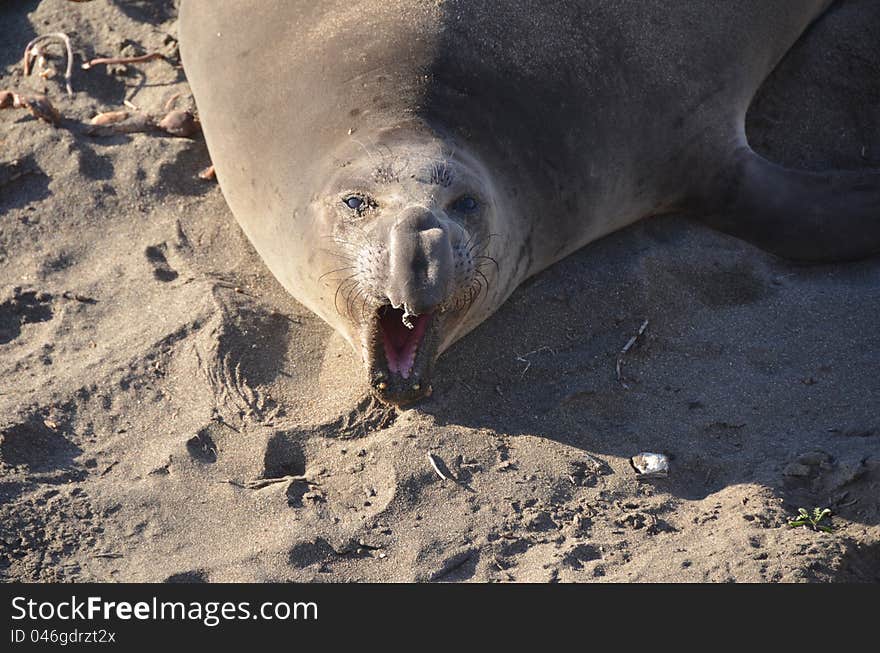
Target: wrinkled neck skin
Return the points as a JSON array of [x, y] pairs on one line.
[[431, 233]]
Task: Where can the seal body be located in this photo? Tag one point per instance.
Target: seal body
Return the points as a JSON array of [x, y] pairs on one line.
[[403, 165]]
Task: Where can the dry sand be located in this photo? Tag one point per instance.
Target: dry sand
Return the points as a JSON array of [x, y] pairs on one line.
[[151, 370]]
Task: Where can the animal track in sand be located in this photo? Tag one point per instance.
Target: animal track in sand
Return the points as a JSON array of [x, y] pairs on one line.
[[580, 554], [196, 576], [201, 446], [457, 567], [308, 553], [35, 444], [23, 307], [47, 532], [370, 415], [284, 456], [157, 257]]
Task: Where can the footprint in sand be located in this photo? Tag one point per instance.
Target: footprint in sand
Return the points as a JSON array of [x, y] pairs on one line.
[[157, 256], [23, 307]]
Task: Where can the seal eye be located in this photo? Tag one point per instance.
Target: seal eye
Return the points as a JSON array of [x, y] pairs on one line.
[[465, 204], [353, 202]]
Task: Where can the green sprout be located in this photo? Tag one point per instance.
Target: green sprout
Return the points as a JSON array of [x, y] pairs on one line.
[[804, 518]]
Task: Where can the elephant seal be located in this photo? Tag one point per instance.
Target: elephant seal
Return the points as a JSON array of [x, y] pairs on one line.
[[403, 165]]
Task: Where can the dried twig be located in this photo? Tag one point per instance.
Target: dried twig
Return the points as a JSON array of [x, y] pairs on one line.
[[115, 60], [109, 118], [436, 465], [108, 125], [175, 123], [626, 348], [524, 358], [260, 483], [170, 102], [31, 49]]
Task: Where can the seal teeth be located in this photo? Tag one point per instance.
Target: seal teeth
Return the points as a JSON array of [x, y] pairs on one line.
[[407, 317], [401, 340]]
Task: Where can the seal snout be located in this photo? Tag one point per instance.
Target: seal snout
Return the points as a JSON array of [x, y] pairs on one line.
[[420, 261], [406, 331]]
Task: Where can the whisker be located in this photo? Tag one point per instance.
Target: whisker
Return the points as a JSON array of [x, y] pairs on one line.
[[364, 308], [348, 267], [349, 259], [488, 258], [469, 240], [338, 289], [353, 293], [480, 286]]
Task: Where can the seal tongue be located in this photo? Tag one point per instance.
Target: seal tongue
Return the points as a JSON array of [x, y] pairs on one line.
[[401, 343]]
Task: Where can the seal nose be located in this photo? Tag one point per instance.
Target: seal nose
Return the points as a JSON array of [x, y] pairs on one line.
[[420, 260]]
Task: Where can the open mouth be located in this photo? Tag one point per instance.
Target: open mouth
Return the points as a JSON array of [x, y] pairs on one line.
[[401, 336], [402, 351]]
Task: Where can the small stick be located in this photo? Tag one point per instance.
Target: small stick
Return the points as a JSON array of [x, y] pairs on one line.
[[626, 348], [54, 35], [106, 126], [265, 482], [436, 467], [169, 104], [109, 117], [112, 60], [523, 358]]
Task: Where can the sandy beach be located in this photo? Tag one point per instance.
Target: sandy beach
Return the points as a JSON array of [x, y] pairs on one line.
[[169, 413]]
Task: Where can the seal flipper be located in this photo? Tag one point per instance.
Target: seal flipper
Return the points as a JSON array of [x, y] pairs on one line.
[[803, 216]]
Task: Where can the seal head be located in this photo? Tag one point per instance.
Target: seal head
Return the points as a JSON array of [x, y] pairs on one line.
[[408, 221]]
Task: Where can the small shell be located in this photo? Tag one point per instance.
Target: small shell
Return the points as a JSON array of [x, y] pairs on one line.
[[650, 465]]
